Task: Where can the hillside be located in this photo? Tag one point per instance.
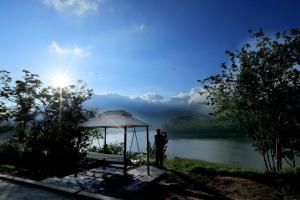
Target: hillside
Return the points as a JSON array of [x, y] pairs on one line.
[[199, 125]]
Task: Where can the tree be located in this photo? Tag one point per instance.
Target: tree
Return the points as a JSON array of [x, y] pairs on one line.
[[260, 88], [5, 79], [22, 97], [46, 121], [57, 131]]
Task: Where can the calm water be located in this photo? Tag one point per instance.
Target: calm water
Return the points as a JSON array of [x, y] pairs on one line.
[[237, 151]]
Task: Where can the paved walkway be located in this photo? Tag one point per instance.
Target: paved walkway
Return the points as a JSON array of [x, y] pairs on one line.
[[108, 180], [13, 191]]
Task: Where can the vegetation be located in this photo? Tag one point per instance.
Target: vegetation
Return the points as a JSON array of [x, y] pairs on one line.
[[260, 88], [113, 148], [190, 164], [231, 181], [6, 128], [96, 133], [201, 126], [47, 135]]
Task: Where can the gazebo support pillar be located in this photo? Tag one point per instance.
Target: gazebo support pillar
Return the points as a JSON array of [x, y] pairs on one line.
[[148, 148], [125, 150], [105, 146]]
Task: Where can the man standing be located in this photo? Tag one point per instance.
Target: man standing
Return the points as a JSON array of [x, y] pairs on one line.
[[161, 140]]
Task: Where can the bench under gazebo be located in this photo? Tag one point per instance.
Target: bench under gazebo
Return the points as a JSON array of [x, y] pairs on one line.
[[117, 119]]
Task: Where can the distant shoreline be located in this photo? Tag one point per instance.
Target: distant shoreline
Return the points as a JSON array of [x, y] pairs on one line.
[[190, 135]]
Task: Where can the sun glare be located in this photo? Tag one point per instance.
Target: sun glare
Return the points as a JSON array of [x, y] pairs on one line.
[[60, 80]]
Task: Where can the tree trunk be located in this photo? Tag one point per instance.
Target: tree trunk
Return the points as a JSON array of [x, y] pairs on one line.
[[278, 155], [265, 161]]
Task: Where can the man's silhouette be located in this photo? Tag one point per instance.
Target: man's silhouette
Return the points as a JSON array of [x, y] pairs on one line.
[[161, 140]]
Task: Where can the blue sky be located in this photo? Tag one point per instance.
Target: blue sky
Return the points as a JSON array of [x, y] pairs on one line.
[[132, 47]]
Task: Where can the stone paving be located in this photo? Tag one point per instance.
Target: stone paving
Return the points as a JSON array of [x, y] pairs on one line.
[[98, 183], [108, 181], [14, 191]]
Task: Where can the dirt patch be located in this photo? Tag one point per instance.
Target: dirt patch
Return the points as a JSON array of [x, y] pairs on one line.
[[242, 189], [191, 185]]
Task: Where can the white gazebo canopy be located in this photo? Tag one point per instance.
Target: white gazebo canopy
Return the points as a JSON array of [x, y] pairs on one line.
[[114, 119], [118, 119]]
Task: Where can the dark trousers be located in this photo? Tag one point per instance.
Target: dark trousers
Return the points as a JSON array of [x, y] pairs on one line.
[[159, 157]]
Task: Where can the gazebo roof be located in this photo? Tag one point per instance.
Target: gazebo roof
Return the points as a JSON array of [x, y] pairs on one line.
[[114, 119]]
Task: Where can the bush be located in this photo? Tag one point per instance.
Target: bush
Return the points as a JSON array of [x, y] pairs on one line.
[[290, 171], [113, 148], [6, 128], [50, 155], [11, 153], [34, 159]]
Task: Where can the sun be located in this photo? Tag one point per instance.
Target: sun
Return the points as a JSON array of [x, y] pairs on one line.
[[61, 80]]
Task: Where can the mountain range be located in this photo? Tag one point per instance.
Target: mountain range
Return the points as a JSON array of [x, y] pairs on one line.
[[185, 113]]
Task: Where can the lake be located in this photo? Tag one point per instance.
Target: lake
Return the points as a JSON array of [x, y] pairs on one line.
[[236, 151]]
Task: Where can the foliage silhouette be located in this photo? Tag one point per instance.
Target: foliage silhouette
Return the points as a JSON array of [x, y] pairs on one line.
[[260, 88], [47, 135]]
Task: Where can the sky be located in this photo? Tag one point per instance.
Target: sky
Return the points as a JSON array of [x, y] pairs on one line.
[[134, 48]]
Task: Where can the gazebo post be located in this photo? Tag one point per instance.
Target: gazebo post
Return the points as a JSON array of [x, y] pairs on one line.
[[105, 139], [125, 151], [148, 168]]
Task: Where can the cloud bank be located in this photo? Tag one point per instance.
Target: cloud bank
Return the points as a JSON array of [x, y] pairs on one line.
[[151, 107], [183, 115], [77, 7]]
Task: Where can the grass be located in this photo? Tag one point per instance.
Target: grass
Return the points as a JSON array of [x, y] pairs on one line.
[[287, 179], [290, 170], [184, 164], [178, 163], [7, 167]]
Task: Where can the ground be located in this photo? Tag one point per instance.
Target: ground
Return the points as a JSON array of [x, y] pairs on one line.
[[197, 185], [194, 179], [13, 191], [172, 185]]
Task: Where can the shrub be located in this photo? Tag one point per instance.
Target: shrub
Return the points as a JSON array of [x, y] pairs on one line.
[[11, 153], [113, 148]]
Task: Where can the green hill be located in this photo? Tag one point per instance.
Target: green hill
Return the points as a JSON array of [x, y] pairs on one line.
[[201, 126]]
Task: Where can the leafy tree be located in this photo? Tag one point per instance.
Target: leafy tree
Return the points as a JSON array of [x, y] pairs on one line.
[[56, 131], [46, 121], [96, 133], [260, 87], [22, 97], [5, 79]]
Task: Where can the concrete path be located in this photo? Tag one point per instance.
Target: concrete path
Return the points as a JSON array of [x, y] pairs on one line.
[[108, 181], [14, 191]]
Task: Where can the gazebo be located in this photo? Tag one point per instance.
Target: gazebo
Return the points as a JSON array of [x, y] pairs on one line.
[[119, 119]]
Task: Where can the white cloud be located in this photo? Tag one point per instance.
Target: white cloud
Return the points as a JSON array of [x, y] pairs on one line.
[[77, 7], [152, 107], [192, 97], [152, 97], [68, 51], [190, 101], [182, 99]]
